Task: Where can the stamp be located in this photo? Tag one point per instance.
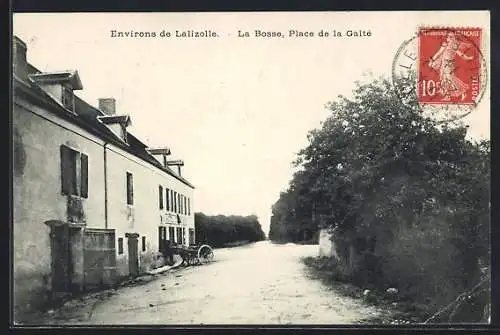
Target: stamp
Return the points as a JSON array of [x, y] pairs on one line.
[[449, 65], [441, 72]]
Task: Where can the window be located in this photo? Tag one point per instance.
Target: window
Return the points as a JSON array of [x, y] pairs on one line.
[[175, 202], [191, 236], [181, 209], [178, 203], [179, 235], [171, 200], [120, 245], [74, 172], [189, 206], [144, 243], [185, 205], [171, 233], [67, 98], [167, 195], [124, 133], [160, 196], [130, 189]]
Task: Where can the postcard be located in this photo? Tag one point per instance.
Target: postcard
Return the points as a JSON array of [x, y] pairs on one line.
[[251, 168]]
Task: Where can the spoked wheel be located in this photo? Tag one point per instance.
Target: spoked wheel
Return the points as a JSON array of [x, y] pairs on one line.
[[205, 254]]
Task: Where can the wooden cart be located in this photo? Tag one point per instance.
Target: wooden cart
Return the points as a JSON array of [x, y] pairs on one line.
[[195, 254]]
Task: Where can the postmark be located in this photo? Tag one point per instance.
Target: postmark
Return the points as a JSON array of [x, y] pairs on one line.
[[441, 72]]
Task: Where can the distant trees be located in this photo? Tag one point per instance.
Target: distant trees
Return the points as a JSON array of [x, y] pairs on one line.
[[293, 215], [409, 197], [221, 230]]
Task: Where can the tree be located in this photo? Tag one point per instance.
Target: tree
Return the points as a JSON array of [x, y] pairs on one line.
[[220, 230], [390, 180]]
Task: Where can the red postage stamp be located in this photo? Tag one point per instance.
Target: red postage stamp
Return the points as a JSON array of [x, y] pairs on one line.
[[449, 65]]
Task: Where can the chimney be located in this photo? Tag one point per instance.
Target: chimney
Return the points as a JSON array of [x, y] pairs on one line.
[[19, 62], [108, 106]]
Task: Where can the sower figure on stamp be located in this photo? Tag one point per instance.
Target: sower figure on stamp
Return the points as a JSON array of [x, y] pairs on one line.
[[444, 62]]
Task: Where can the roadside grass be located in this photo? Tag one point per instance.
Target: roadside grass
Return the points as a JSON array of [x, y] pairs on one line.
[[395, 310]]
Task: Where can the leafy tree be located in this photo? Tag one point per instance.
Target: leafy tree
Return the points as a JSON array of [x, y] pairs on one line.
[[388, 180]]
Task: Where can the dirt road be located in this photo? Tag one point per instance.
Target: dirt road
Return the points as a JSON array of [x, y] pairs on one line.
[[260, 283]]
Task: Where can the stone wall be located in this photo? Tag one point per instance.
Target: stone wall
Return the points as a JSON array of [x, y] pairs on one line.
[[326, 245]]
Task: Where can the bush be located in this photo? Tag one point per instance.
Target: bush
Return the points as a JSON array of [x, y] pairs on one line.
[[421, 262], [327, 268]]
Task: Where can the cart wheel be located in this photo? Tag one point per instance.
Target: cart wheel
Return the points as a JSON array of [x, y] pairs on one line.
[[205, 254]]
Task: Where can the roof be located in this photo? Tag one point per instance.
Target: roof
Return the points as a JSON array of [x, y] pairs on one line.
[[86, 117]]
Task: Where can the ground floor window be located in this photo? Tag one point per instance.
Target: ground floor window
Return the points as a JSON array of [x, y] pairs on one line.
[[120, 245], [180, 237], [191, 236], [171, 234]]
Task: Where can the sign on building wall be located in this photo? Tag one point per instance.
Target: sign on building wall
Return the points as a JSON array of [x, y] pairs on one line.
[[173, 219], [169, 218]]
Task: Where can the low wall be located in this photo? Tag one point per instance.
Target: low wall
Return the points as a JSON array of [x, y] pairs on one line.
[[326, 245]]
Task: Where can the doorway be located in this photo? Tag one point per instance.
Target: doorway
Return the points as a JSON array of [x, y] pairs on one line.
[[180, 237], [133, 255], [162, 238], [64, 246], [60, 259]]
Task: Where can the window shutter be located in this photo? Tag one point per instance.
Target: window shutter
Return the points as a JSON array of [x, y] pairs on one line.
[[167, 200], [180, 203], [84, 176], [160, 196], [130, 189], [171, 200], [175, 202], [66, 171]]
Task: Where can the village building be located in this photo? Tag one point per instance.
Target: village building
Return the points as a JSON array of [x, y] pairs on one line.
[[91, 202]]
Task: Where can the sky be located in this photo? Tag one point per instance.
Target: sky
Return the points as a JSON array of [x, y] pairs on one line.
[[235, 109]]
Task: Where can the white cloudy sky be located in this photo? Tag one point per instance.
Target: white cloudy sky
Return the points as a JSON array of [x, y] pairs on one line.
[[235, 110]]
